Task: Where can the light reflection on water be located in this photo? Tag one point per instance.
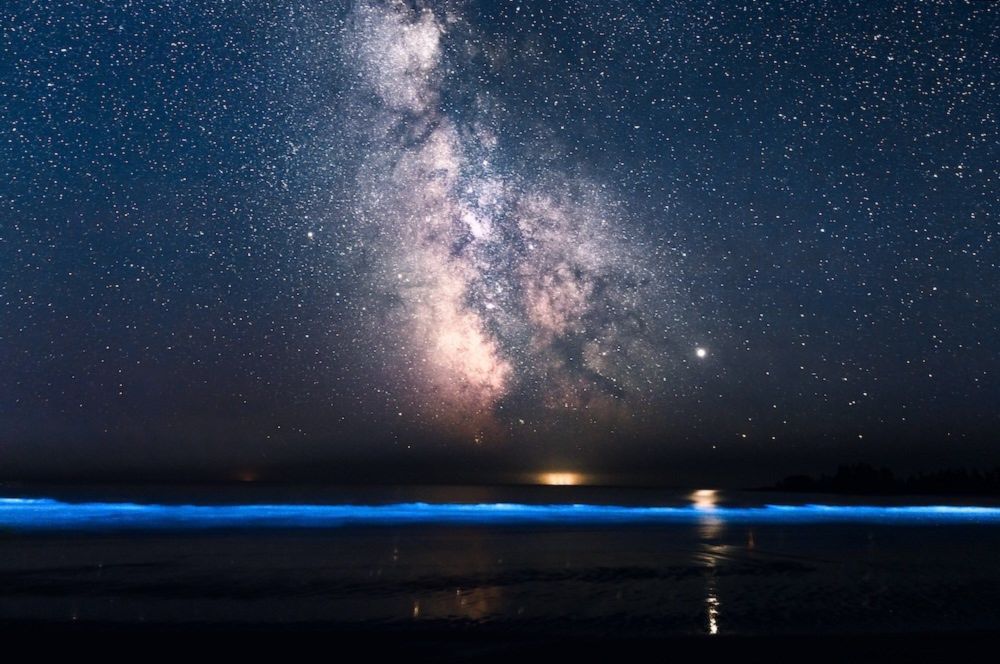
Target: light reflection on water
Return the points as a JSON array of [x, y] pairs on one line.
[[705, 499]]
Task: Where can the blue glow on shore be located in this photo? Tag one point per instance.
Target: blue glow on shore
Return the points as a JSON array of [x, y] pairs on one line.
[[49, 514]]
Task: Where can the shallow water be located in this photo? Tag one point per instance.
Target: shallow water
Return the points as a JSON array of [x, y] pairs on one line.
[[706, 575]]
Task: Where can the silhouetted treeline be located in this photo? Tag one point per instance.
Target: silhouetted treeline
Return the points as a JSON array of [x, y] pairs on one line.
[[864, 478]]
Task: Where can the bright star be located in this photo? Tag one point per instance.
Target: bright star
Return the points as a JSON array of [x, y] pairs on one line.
[[701, 352]]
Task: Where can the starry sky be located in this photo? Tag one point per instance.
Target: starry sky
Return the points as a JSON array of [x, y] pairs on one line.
[[456, 238]]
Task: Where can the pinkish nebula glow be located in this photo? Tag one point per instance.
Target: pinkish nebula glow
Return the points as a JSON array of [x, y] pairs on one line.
[[514, 304]]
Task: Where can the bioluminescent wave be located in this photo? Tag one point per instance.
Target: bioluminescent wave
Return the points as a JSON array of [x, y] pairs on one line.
[[50, 514]]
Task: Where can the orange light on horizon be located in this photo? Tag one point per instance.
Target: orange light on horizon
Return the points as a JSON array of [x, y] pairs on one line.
[[560, 479]]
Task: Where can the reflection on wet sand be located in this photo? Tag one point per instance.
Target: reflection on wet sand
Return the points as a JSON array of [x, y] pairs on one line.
[[473, 603], [462, 604], [712, 605], [710, 530]]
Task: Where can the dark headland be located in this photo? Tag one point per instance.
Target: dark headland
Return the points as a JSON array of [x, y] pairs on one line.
[[865, 479]]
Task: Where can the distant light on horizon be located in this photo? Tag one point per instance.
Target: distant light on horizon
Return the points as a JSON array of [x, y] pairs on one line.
[[561, 479]]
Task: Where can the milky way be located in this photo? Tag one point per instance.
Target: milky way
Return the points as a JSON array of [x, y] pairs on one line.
[[271, 233], [514, 300]]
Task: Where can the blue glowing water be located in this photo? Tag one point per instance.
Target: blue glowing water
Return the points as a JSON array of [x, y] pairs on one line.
[[50, 514]]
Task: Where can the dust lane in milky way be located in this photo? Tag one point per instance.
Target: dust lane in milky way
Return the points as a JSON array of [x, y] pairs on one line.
[[514, 300]]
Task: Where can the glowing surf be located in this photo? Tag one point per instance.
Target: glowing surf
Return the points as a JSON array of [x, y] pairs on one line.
[[50, 514]]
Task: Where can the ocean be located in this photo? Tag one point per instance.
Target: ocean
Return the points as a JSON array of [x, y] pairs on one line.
[[521, 560]]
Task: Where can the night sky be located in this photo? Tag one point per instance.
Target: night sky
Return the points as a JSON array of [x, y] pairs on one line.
[[451, 239]]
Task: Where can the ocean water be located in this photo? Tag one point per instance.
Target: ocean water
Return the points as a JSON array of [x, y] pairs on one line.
[[705, 562]]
